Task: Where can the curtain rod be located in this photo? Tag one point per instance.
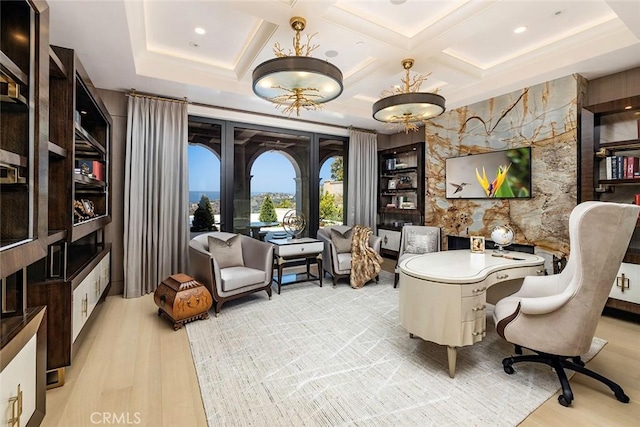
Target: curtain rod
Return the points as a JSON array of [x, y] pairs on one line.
[[134, 94], [237, 110], [273, 116]]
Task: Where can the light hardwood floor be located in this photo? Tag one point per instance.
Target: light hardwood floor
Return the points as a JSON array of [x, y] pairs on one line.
[[132, 367]]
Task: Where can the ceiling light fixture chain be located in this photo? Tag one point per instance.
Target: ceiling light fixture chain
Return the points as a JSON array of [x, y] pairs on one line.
[[296, 81]]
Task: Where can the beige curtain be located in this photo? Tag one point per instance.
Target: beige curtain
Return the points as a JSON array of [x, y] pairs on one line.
[[156, 193], [363, 179]]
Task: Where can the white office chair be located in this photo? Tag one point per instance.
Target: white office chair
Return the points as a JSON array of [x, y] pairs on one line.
[[556, 316]]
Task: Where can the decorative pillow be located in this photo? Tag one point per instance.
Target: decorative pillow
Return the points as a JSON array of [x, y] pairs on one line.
[[421, 243], [342, 241], [228, 252]]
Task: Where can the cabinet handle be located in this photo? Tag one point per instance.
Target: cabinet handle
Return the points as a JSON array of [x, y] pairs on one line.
[[501, 276], [484, 288], [475, 334], [385, 240], [622, 282], [479, 308], [541, 272], [85, 304], [16, 408], [97, 287]]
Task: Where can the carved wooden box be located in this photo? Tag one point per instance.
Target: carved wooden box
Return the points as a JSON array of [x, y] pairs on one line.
[[182, 299]]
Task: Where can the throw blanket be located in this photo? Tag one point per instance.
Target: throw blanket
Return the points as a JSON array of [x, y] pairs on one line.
[[366, 263]]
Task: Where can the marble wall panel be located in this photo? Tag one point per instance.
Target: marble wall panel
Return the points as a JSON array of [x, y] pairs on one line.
[[544, 117]]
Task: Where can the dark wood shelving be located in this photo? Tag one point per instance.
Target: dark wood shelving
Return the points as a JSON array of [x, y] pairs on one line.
[[627, 181], [394, 172], [57, 150], [614, 120], [88, 181], [12, 158], [56, 67], [56, 236], [12, 102], [85, 228], [631, 144], [14, 72], [85, 143]]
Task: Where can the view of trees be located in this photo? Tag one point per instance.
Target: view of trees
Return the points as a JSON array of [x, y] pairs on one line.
[[337, 169], [203, 218], [267, 211]]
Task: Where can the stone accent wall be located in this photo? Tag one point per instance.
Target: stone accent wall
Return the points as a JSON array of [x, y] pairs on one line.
[[544, 117]]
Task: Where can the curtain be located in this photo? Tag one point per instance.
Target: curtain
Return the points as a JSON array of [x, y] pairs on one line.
[[156, 195], [362, 179]]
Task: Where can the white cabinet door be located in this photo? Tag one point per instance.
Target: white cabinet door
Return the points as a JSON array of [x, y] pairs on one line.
[[631, 291], [390, 240], [21, 371], [81, 303]]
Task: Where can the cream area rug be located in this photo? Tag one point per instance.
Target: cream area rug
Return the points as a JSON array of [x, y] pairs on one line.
[[339, 357]]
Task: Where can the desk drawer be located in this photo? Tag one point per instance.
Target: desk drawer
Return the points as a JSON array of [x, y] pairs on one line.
[[302, 249], [474, 331], [473, 307]]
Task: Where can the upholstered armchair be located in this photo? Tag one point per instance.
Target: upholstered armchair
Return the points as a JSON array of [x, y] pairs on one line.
[[415, 240], [336, 257], [231, 265], [556, 316]]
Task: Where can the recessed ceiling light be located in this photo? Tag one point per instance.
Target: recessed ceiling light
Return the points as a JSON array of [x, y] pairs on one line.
[[331, 53], [520, 30], [397, 2], [628, 107], [199, 30]]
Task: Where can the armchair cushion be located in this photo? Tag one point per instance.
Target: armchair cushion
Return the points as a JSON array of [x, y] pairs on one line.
[[238, 277], [342, 240], [228, 253], [422, 243]]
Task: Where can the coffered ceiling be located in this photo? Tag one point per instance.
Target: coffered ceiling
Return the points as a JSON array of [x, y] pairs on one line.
[[468, 48]]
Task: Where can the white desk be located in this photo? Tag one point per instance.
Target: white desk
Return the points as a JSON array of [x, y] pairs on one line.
[[443, 294]]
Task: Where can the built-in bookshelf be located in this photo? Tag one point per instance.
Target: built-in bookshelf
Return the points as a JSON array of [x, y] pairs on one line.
[[400, 192], [610, 172]]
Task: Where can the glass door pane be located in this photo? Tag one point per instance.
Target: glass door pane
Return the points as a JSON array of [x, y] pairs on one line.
[[204, 154], [333, 179], [271, 178]]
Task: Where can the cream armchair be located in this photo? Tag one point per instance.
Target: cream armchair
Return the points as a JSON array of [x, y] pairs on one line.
[[231, 265], [336, 257], [556, 316], [415, 240]]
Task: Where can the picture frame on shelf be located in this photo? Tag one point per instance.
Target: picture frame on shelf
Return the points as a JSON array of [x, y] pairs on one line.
[[89, 207], [392, 184], [477, 244]]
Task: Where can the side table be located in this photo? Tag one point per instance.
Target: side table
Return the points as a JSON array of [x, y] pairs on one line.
[[182, 299], [289, 250]]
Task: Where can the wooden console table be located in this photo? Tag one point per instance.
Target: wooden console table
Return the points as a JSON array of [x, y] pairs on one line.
[[443, 294]]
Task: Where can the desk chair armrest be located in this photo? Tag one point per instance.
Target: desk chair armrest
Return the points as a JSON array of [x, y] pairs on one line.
[[541, 286], [543, 305]]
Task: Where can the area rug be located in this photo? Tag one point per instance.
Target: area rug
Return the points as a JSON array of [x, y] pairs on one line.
[[339, 357]]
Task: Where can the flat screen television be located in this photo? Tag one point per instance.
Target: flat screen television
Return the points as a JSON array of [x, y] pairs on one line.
[[502, 174]]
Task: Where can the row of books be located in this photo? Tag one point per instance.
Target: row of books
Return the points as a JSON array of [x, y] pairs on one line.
[[623, 167]]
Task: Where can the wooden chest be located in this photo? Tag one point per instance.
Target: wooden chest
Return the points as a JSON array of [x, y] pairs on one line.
[[182, 299]]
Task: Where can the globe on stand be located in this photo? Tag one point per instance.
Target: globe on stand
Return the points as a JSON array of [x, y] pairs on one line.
[[294, 223], [502, 236]]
